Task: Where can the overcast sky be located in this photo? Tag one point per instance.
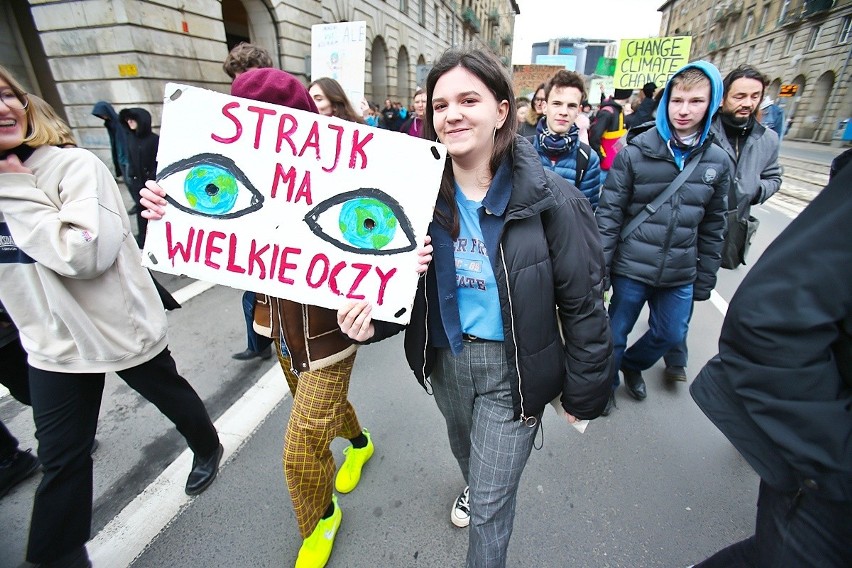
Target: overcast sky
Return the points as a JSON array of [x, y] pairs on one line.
[[542, 20]]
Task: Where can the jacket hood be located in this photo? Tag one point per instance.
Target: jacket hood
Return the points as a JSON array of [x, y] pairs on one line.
[[664, 126], [104, 109], [142, 118]]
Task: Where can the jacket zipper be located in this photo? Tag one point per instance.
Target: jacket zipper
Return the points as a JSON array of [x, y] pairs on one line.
[[426, 383], [527, 420], [676, 200]]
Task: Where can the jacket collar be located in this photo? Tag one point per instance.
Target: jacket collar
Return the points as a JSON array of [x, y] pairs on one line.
[[519, 188], [721, 139]]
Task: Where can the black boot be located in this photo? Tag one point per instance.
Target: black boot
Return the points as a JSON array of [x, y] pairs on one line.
[[204, 470]]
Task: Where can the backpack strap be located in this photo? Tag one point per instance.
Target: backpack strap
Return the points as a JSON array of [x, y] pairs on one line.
[[582, 162], [652, 207]]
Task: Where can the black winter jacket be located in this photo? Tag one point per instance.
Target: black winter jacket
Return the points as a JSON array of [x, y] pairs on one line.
[[548, 255], [780, 388], [682, 241], [142, 146]]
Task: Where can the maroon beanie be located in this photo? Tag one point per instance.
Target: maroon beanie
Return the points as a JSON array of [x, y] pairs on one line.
[[273, 86]]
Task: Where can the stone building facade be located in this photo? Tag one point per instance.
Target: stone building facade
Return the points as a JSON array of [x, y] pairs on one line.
[[807, 43], [75, 53]]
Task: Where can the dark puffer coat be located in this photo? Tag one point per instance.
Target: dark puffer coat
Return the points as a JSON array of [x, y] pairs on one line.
[[682, 241], [545, 252], [142, 146]]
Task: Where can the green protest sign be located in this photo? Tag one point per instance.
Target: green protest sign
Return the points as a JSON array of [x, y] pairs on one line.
[[652, 60]]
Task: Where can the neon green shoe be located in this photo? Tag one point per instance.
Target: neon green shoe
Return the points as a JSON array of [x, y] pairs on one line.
[[316, 549], [350, 472]]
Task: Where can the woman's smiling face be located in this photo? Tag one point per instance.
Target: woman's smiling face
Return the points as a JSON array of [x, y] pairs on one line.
[[465, 116], [13, 120]]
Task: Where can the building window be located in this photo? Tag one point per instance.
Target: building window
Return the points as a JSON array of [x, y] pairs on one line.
[[437, 19], [788, 46], [422, 19], [735, 58], [747, 26], [812, 42], [750, 56], [764, 15], [768, 51], [845, 30], [783, 13], [403, 6]]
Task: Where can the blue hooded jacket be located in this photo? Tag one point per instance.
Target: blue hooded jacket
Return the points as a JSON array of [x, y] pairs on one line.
[[117, 135], [664, 125]]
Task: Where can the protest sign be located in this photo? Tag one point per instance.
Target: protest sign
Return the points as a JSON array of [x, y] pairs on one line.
[[339, 51], [650, 60], [292, 204]]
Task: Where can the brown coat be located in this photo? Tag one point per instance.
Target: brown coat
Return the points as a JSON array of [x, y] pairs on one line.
[[311, 333]]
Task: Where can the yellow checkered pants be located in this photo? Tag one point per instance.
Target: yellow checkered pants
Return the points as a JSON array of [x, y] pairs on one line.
[[321, 411]]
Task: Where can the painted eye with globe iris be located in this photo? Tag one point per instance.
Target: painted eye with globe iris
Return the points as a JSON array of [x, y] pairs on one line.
[[213, 186], [364, 221]]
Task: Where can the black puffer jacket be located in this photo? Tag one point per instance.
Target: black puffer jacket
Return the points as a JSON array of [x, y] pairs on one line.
[[547, 255], [682, 241]]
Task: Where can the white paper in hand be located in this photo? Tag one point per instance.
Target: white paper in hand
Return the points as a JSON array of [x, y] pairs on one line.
[[579, 425]]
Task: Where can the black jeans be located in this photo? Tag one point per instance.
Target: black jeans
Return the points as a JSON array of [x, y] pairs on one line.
[[792, 530], [13, 375], [65, 410]]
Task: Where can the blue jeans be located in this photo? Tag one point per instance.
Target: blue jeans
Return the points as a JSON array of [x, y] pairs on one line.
[[792, 530], [668, 322], [255, 342], [677, 356]]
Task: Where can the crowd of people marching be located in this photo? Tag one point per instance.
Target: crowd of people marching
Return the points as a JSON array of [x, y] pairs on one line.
[[579, 219]]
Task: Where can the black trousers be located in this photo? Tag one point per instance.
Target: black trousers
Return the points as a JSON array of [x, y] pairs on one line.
[[65, 410], [793, 529], [13, 375]]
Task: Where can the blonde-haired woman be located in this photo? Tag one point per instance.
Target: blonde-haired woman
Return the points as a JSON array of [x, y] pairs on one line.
[[74, 286], [46, 114]]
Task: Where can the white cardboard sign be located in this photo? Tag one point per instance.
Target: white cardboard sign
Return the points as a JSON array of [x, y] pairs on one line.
[[289, 203], [339, 51]]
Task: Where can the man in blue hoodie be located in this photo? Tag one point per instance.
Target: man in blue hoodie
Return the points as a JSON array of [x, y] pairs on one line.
[[557, 137], [666, 255]]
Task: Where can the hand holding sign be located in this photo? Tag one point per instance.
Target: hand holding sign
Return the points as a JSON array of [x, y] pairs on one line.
[[289, 203]]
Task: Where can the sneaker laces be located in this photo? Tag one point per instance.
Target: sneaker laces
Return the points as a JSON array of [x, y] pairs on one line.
[[463, 502]]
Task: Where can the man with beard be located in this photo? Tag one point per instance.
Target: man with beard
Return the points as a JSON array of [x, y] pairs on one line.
[[753, 149]]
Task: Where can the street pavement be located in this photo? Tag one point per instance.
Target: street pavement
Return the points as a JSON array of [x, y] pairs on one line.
[[654, 484]]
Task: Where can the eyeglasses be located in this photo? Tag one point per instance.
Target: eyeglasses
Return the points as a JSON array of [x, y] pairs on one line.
[[14, 101]]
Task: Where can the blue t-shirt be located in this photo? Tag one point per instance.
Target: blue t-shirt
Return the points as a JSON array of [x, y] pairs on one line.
[[479, 302]]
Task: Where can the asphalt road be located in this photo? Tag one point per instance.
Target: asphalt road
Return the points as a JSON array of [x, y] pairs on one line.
[[654, 484]]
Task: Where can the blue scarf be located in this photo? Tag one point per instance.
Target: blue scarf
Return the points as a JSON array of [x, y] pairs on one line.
[[556, 144]]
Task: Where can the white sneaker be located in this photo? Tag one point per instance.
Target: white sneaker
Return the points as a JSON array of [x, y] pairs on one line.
[[460, 515]]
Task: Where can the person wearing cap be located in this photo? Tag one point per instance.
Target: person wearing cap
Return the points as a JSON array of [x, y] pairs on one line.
[[671, 257], [609, 124], [647, 106], [317, 364], [753, 151]]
